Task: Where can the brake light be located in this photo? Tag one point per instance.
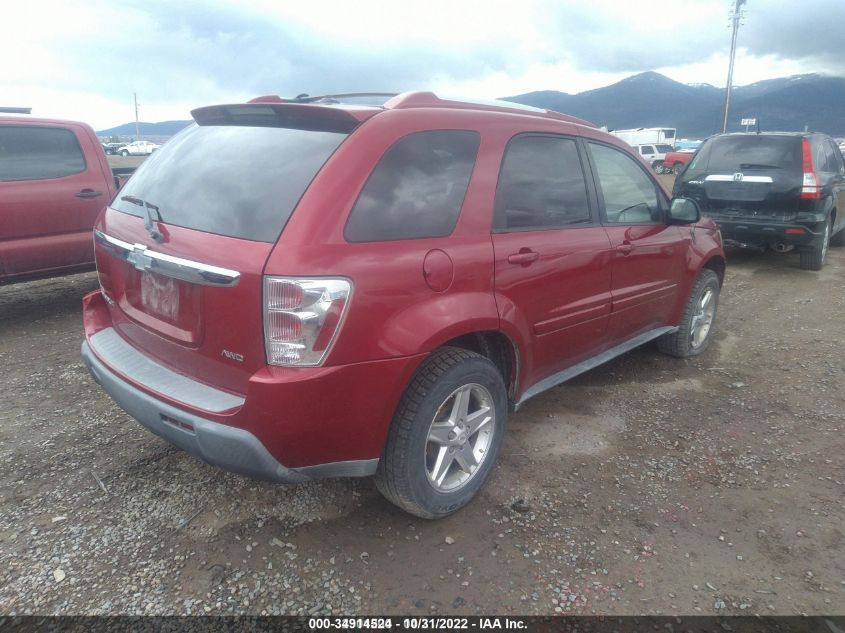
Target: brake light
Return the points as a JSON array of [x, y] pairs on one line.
[[810, 187], [302, 318]]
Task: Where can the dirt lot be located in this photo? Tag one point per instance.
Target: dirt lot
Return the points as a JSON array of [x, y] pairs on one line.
[[649, 485]]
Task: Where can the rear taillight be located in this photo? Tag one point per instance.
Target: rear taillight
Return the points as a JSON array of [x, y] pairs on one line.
[[302, 318], [810, 187]]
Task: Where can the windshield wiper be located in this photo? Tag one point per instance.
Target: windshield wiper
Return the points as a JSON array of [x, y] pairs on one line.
[[758, 166], [148, 216]]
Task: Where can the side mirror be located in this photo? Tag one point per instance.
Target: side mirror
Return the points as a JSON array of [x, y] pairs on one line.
[[684, 211]]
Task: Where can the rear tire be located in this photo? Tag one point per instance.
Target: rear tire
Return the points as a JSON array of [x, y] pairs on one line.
[[657, 166], [695, 330], [427, 464], [814, 259]]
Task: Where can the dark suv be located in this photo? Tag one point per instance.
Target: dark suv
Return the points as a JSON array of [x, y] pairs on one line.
[[370, 290], [775, 190]]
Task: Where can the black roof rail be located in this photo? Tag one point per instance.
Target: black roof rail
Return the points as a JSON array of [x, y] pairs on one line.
[[8, 110], [337, 98]]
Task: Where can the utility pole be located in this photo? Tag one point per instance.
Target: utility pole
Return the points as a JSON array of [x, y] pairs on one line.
[[735, 17], [138, 128]]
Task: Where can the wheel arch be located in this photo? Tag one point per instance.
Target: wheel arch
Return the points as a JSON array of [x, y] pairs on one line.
[[717, 264], [497, 347]]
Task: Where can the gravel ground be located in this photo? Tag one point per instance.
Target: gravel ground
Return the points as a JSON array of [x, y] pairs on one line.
[[649, 485]]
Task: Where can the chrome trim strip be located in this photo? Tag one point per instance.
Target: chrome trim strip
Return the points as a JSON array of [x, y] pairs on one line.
[[732, 178], [567, 374], [122, 357], [144, 259]]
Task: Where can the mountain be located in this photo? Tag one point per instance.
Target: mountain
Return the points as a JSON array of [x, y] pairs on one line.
[[653, 100], [163, 128]]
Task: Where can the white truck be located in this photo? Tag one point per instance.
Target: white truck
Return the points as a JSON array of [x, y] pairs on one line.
[[138, 148], [647, 135]]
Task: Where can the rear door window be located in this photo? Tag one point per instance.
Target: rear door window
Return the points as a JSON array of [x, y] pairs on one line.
[[829, 165], [417, 188], [234, 180], [541, 185], [835, 157], [38, 153]]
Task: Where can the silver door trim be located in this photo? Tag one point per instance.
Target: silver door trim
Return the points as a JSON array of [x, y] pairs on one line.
[[733, 178]]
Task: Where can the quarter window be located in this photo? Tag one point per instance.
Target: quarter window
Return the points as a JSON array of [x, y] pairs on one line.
[[630, 196], [38, 153], [417, 189], [646, 149], [541, 185]]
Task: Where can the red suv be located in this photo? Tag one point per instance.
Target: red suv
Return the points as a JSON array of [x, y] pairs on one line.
[[295, 289]]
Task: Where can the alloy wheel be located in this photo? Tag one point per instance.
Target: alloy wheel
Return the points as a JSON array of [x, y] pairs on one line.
[[459, 437], [702, 320]]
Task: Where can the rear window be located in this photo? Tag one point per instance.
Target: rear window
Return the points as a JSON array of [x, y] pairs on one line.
[[238, 181], [38, 153], [738, 153]]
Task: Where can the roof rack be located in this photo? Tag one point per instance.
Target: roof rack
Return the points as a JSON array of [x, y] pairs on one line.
[[431, 100], [6, 110], [423, 99], [339, 98]]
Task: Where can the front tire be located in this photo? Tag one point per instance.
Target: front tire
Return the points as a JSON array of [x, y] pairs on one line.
[[838, 239], [696, 327], [814, 259], [124, 153], [657, 166], [445, 435]]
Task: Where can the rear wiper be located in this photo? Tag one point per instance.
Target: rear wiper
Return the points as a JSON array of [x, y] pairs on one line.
[[148, 217], [758, 166]]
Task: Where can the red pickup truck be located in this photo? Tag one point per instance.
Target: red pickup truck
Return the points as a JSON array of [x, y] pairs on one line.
[[676, 161], [54, 181]]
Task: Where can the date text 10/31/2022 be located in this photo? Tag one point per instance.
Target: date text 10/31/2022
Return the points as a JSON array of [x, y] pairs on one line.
[[418, 623]]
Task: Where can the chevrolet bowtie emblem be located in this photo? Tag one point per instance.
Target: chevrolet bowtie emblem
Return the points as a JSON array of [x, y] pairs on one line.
[[138, 258]]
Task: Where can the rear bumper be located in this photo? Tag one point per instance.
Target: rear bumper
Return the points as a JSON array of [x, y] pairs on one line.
[[226, 446], [291, 424], [761, 232]]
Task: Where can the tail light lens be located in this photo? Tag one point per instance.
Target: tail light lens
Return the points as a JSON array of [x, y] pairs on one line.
[[302, 318], [810, 187]]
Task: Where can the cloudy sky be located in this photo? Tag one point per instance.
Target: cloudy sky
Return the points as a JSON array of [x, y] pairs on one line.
[[84, 59]]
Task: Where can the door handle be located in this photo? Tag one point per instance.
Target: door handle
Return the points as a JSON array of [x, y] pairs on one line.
[[88, 193], [523, 257], [625, 248]]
